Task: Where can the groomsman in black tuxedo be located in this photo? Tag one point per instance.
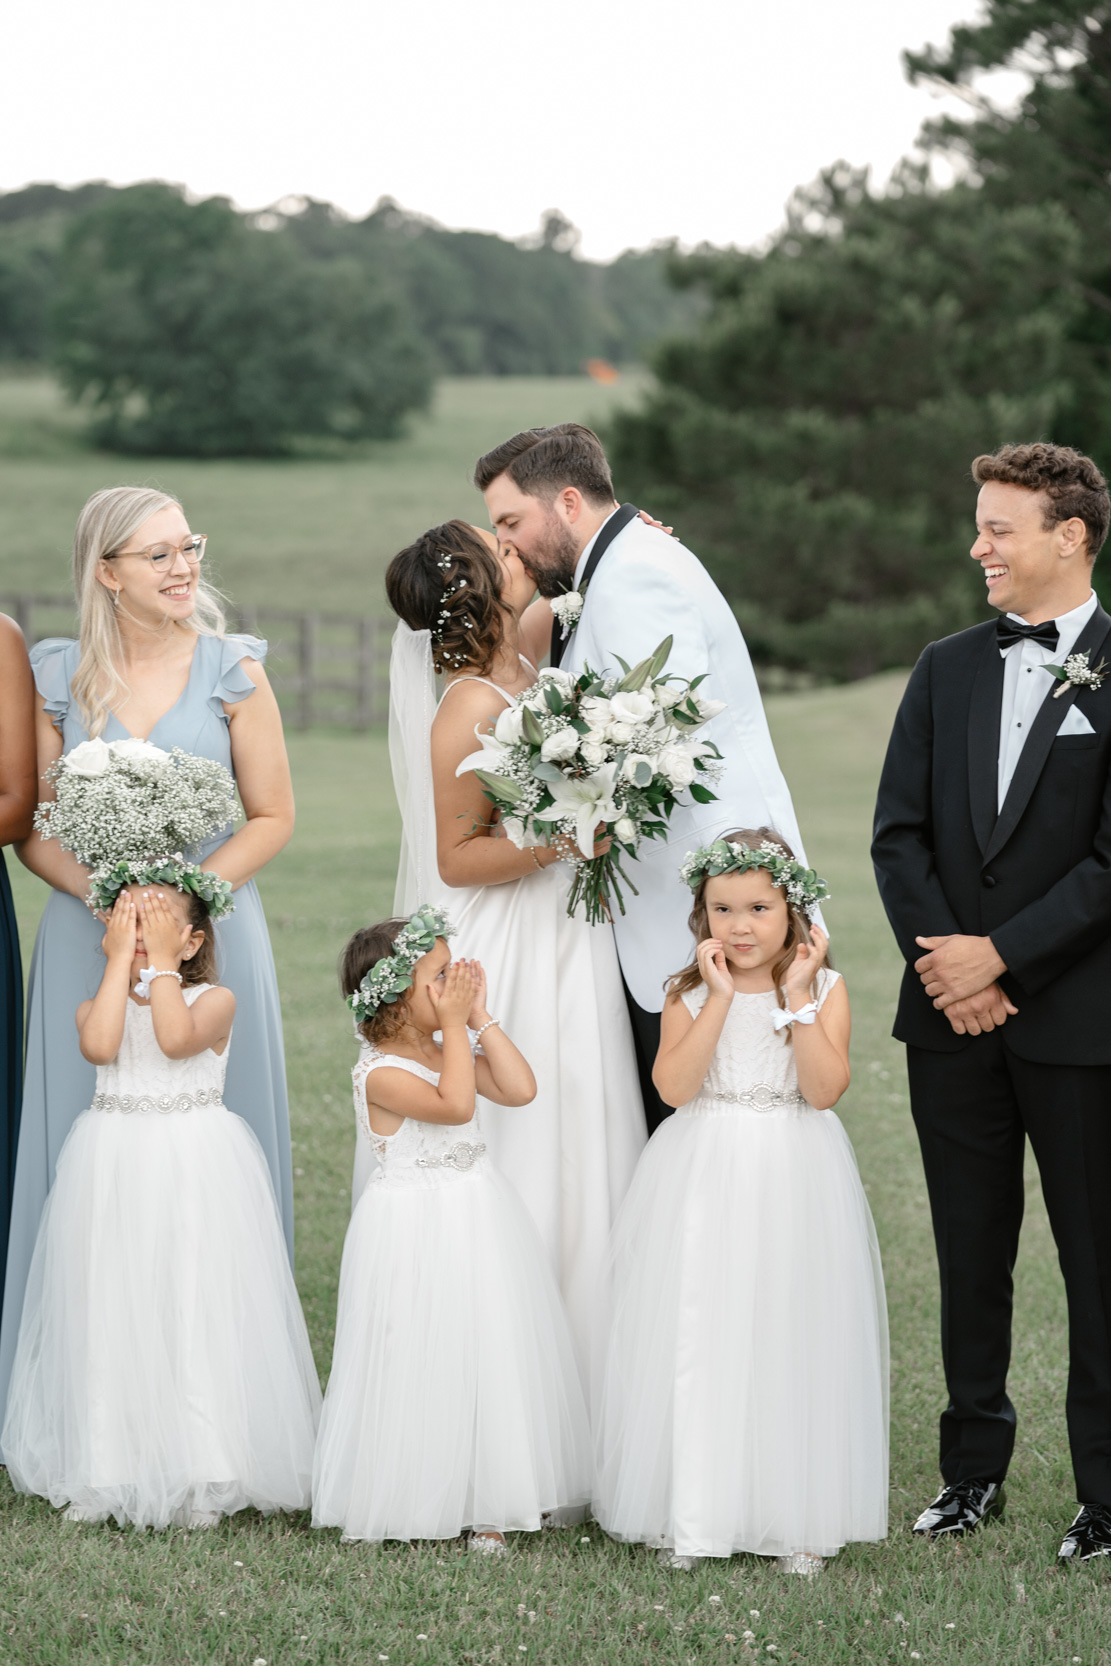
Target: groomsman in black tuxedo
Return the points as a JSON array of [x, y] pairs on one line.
[[993, 856]]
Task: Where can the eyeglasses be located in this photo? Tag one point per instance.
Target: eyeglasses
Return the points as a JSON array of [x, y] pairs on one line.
[[163, 556]]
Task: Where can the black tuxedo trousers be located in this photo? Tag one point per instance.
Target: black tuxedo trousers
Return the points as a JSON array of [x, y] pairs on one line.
[[1035, 876]]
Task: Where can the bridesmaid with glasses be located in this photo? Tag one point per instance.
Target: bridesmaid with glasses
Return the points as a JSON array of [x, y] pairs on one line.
[[153, 661], [17, 804]]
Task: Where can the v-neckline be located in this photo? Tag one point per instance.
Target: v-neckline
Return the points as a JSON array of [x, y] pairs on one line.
[[169, 709]]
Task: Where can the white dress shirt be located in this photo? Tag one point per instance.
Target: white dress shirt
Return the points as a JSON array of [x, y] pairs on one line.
[[1026, 684]]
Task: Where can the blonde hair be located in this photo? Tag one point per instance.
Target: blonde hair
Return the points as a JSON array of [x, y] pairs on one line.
[[108, 520]]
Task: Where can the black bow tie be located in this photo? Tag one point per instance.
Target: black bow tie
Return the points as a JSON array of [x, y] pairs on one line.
[[1009, 633]]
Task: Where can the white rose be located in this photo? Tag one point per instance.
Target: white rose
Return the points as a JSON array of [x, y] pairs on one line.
[[515, 831], [559, 747], [666, 695], [629, 768], [621, 733], [146, 760], [596, 711], [625, 829], [709, 708], [562, 679], [676, 762], [92, 757], [594, 752], [632, 707], [508, 727]]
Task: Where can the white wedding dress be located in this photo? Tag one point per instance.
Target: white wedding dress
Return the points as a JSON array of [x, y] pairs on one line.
[[555, 984], [743, 1405], [454, 1399], [163, 1369]]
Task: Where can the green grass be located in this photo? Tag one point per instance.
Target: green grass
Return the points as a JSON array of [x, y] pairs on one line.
[[275, 1591], [314, 532]]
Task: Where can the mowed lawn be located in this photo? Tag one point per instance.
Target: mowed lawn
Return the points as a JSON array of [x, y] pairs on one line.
[[273, 1590]]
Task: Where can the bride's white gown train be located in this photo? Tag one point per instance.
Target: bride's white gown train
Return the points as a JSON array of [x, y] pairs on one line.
[[555, 984]]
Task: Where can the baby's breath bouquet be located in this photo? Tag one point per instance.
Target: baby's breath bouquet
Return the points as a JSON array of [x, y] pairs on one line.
[[127, 810], [575, 753]]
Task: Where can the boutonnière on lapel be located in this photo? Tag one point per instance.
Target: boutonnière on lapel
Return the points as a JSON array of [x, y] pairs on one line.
[[1077, 673], [568, 609]]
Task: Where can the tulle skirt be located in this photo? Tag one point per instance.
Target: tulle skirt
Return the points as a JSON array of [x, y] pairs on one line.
[[454, 1399], [162, 1366], [744, 1399]]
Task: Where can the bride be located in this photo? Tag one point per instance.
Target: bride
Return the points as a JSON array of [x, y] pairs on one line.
[[554, 981]]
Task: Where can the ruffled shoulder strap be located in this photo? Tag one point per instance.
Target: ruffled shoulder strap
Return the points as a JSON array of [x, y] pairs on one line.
[[231, 683], [695, 999], [827, 977], [54, 662]]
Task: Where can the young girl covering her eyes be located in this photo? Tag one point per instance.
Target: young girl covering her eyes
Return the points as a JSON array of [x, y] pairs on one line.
[[454, 1401], [744, 1400], [163, 1373]]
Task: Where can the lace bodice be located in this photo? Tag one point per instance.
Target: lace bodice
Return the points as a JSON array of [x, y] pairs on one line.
[[752, 1069], [142, 1078], [419, 1153]]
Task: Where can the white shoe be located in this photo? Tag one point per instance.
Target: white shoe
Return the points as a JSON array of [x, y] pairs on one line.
[[487, 1541], [802, 1562], [82, 1512], [203, 1519], [680, 1564]]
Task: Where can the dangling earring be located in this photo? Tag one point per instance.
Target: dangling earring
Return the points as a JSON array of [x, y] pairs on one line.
[[116, 597]]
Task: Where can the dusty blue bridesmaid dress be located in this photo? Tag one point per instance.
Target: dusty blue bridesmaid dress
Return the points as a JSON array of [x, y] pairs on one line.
[[67, 966], [11, 1053]]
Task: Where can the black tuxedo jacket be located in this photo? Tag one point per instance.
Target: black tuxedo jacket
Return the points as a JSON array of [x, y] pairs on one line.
[[1035, 878]]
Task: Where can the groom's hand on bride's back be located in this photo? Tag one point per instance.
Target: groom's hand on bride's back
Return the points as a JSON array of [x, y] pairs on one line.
[[977, 1014]]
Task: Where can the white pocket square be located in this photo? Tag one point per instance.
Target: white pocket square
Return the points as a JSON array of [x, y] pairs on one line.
[[1075, 723]]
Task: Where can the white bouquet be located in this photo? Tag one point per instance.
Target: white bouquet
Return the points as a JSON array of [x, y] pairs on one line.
[[573, 754], [127, 810]]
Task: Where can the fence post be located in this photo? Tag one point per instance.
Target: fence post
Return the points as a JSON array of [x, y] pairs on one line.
[[307, 657]]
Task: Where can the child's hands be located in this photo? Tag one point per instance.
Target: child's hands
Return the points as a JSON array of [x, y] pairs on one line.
[[452, 1004], [119, 938], [808, 961], [164, 940], [715, 969], [478, 1013]]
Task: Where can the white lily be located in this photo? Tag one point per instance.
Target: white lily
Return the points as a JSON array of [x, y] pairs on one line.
[[490, 756], [586, 802]]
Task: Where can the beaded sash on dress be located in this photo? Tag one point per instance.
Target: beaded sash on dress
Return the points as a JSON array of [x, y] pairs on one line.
[[753, 1067]]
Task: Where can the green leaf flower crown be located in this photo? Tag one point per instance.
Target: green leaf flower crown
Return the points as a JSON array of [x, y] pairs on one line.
[[803, 886], [390, 978], [108, 880]]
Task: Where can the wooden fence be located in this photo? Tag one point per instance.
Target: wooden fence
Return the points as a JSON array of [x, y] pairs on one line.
[[327, 669]]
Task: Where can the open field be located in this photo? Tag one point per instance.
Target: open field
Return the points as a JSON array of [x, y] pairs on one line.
[[274, 1591], [311, 532]]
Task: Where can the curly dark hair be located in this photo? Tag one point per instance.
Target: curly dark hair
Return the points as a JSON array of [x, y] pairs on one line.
[[1072, 483], [202, 967], [368, 946], [447, 582]]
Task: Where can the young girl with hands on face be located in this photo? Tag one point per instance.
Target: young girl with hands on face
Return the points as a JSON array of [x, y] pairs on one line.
[[743, 1405], [163, 1374], [454, 1401]]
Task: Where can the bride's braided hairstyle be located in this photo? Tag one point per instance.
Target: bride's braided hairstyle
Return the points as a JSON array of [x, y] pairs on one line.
[[448, 583]]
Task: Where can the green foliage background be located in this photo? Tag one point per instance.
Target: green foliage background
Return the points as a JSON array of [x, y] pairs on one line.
[[814, 433]]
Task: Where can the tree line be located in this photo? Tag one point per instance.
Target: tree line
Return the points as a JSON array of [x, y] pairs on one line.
[[190, 328], [811, 435]]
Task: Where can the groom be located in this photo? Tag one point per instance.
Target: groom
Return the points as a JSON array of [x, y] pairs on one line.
[[993, 855], [549, 493]]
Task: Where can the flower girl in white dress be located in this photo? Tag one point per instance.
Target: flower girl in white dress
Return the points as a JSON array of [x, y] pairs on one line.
[[744, 1401], [163, 1374], [454, 1399]]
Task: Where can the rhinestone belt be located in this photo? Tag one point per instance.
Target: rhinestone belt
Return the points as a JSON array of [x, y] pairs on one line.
[[461, 1156], [163, 1102], [760, 1098]]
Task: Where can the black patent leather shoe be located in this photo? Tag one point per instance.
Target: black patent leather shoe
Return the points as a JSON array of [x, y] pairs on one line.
[[960, 1509], [1089, 1535]]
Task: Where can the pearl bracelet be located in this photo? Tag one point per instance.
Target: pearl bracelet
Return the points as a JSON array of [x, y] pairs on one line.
[[486, 1026], [536, 859]]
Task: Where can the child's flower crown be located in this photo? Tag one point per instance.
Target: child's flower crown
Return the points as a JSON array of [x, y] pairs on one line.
[[108, 880], [802, 885], [390, 978]]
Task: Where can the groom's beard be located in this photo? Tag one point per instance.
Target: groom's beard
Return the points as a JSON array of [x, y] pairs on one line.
[[553, 559]]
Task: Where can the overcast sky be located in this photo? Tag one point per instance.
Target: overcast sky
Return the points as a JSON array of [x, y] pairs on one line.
[[640, 119]]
